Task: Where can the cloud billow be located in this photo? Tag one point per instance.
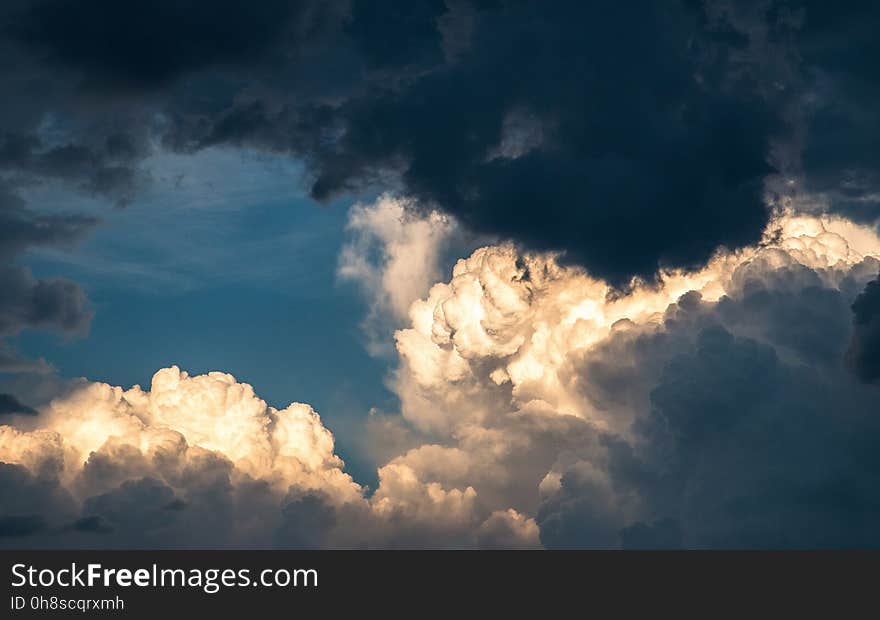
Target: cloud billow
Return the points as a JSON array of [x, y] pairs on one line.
[[665, 345], [569, 129], [716, 411], [627, 137], [717, 408]]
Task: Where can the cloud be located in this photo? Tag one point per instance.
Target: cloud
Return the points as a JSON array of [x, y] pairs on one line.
[[508, 529], [521, 90], [201, 461], [539, 406], [711, 408], [513, 121], [130, 46], [746, 448], [863, 353], [10, 404], [393, 255], [30, 502], [27, 301], [502, 115], [21, 526], [147, 467], [544, 389], [661, 534], [36, 303], [836, 44]]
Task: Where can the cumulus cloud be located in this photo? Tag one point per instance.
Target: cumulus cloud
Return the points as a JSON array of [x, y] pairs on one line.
[[710, 408], [539, 406], [393, 255], [517, 121], [151, 464], [202, 461], [537, 397]]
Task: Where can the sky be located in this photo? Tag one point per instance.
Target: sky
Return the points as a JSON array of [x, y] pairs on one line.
[[444, 274], [230, 286]]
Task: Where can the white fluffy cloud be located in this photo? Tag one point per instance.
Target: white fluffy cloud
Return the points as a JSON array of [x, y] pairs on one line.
[[203, 460], [537, 379], [538, 405], [101, 442], [393, 255], [512, 324]]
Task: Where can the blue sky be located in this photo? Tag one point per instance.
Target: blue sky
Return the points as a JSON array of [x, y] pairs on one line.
[[223, 264]]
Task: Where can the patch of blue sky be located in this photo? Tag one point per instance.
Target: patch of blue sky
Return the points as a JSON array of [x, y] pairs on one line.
[[222, 262]]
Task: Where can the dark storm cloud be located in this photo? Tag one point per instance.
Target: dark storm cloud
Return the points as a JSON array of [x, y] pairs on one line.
[[143, 45], [409, 33], [29, 302], [93, 524], [660, 534], [22, 228], [30, 503], [26, 160], [137, 505], [564, 129], [306, 519], [863, 354], [106, 169], [567, 129], [840, 51], [21, 525], [752, 436], [10, 404], [767, 454]]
